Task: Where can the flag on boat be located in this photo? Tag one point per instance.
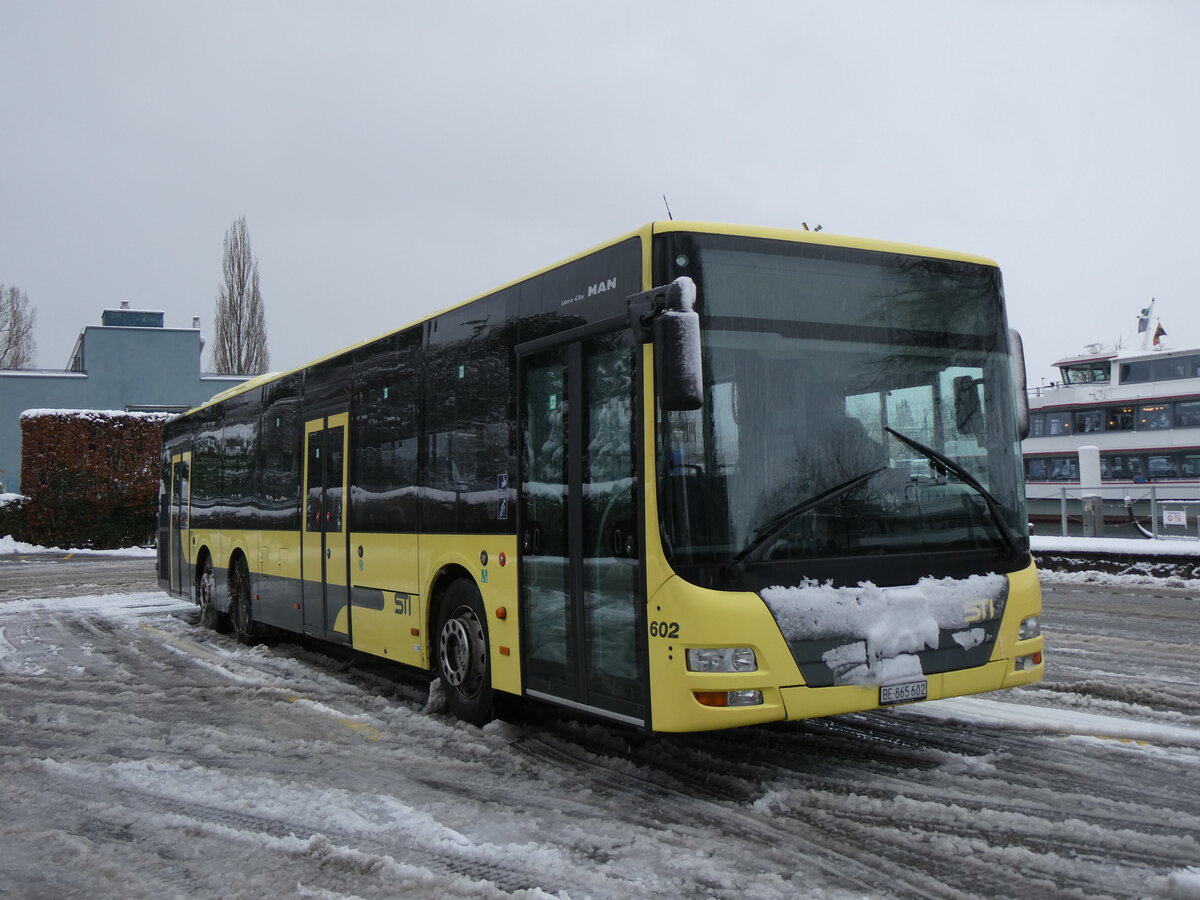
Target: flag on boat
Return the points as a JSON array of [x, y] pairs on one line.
[[1159, 332], [1144, 318]]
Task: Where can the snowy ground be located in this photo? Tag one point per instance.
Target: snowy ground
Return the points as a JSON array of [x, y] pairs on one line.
[[141, 757]]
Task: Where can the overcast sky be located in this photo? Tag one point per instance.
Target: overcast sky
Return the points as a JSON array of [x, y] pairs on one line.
[[394, 158]]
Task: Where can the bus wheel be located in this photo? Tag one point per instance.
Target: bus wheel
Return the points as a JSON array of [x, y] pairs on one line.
[[241, 618], [205, 585], [462, 653]]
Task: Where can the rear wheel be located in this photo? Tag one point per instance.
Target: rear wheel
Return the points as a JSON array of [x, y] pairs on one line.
[[241, 616], [463, 658]]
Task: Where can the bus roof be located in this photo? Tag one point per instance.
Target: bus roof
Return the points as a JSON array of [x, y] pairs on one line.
[[646, 231]]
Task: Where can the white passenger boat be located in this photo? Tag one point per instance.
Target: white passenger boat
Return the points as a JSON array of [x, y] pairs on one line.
[[1139, 408]]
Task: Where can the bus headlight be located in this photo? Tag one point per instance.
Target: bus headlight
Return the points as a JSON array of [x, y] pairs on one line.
[[1030, 628], [721, 659]]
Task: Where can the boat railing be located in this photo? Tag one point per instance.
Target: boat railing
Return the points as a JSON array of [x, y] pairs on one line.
[[1084, 511]]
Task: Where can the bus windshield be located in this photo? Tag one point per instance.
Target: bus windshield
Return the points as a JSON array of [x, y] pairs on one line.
[[857, 404]]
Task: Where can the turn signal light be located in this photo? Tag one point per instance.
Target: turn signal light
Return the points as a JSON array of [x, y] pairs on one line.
[[728, 698], [1021, 663]]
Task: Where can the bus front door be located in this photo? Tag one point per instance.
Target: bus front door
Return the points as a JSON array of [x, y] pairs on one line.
[[324, 549], [581, 584], [181, 511]]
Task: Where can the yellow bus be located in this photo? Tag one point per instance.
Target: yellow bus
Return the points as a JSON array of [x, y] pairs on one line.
[[697, 477]]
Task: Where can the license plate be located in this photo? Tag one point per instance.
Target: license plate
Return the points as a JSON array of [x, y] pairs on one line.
[[905, 692]]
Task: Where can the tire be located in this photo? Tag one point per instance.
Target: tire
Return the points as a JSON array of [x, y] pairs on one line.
[[241, 614], [462, 653], [205, 586]]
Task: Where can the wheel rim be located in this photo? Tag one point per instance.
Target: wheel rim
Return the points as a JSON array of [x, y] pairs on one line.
[[207, 582], [462, 651]]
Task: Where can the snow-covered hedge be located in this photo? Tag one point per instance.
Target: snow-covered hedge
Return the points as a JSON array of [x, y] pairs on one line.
[[11, 518], [90, 476]]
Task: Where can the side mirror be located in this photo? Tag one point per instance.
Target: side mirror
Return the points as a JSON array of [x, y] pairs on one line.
[[1016, 349], [676, 333]]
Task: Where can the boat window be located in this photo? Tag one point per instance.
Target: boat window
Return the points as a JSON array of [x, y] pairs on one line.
[[1120, 418], [1161, 465], [1169, 369], [1037, 425], [1063, 468], [1120, 467], [1189, 465], [1087, 373], [1152, 416], [1131, 466], [1058, 423], [1088, 421], [1036, 470], [1187, 414]]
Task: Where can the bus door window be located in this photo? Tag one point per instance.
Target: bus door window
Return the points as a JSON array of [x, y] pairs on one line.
[[324, 506], [611, 544], [545, 611], [579, 537], [314, 492]]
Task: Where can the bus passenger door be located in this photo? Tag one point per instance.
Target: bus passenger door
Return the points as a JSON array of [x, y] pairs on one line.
[[324, 549], [581, 582], [181, 514]]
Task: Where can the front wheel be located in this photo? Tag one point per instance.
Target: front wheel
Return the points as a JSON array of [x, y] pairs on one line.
[[463, 658]]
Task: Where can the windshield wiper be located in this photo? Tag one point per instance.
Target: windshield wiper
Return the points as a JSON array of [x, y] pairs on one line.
[[993, 505], [766, 534]]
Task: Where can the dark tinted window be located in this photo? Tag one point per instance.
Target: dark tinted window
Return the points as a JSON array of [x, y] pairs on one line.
[[280, 454], [239, 435], [327, 386], [164, 487], [206, 469], [385, 494], [469, 450], [1187, 414], [1168, 369]]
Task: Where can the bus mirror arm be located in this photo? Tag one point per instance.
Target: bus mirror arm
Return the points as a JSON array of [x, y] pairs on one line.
[[1017, 350], [664, 316]]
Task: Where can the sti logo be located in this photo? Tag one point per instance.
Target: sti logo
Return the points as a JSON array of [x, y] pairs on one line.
[[979, 611]]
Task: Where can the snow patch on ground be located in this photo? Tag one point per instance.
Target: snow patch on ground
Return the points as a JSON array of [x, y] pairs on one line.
[[1114, 546], [9, 545], [1184, 884], [1048, 576], [1004, 714]]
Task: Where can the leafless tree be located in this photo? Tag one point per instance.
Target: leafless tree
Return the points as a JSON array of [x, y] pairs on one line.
[[240, 345], [16, 329]]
